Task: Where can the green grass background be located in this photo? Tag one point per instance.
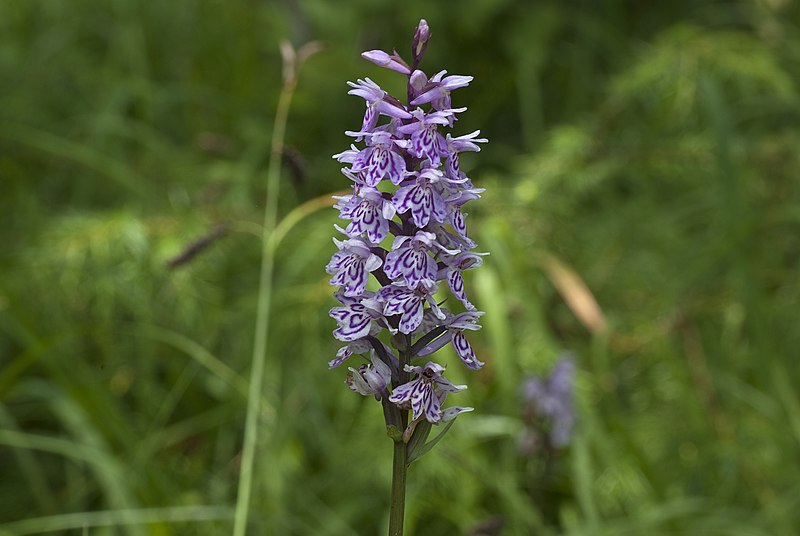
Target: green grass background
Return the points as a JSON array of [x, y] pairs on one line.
[[652, 149]]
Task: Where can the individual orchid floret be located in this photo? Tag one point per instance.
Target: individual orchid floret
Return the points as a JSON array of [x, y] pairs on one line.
[[438, 89], [389, 61], [409, 259], [421, 198], [379, 161], [349, 156], [425, 394], [351, 265], [425, 139], [468, 142], [360, 346], [455, 324], [456, 327], [369, 212], [409, 303], [452, 273], [448, 239], [358, 317], [370, 379], [354, 322], [456, 220], [378, 102]]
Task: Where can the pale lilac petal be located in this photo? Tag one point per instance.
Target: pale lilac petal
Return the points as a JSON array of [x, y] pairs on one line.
[[353, 278], [337, 262], [354, 322], [412, 316], [369, 121], [392, 292], [433, 411], [452, 412], [397, 168], [413, 265], [453, 167], [389, 210], [372, 263], [455, 81], [367, 218], [465, 351], [436, 345], [384, 163], [403, 393], [418, 80], [428, 96], [392, 110], [367, 90], [456, 283], [421, 399], [382, 59], [425, 144], [447, 386], [466, 320], [423, 202]]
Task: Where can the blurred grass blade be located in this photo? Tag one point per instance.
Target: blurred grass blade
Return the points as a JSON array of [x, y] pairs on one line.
[[575, 292], [59, 147], [117, 518]]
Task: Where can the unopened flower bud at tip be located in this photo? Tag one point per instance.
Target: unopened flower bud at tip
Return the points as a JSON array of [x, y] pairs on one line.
[[421, 37]]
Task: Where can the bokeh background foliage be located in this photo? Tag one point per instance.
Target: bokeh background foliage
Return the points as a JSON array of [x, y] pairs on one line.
[[643, 155]]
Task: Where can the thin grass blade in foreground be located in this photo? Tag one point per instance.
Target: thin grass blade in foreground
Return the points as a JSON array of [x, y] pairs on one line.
[[291, 61]]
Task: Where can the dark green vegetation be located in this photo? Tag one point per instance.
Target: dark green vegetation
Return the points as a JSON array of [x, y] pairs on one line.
[[653, 151]]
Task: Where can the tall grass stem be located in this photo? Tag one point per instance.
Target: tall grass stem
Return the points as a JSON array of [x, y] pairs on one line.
[[262, 314]]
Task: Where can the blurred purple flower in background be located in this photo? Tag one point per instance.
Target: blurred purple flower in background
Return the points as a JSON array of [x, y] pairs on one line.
[[548, 406]]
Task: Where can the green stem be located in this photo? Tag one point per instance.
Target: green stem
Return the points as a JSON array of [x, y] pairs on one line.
[[399, 468], [400, 459]]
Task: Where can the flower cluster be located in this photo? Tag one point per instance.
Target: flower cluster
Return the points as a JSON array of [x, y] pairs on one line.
[[406, 227]]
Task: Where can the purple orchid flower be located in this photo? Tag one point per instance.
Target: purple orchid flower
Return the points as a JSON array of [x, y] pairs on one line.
[[425, 139], [369, 213], [460, 144], [379, 161], [378, 102], [425, 394], [408, 302], [359, 346], [421, 198], [358, 317], [409, 259], [370, 379], [455, 324], [452, 273], [351, 265], [438, 89]]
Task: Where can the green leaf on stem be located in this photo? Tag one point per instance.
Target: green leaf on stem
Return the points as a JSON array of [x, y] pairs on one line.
[[417, 447]]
